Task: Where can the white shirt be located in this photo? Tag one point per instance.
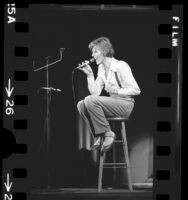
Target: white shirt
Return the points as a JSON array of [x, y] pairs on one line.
[[129, 86]]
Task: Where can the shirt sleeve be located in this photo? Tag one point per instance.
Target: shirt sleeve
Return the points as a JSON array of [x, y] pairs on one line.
[[128, 83], [95, 86]]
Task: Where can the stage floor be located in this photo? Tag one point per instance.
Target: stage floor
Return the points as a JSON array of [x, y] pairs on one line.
[[90, 193]]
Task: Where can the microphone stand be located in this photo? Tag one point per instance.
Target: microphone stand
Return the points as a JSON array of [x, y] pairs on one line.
[[48, 95]]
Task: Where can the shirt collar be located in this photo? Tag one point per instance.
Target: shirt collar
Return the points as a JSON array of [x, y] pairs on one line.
[[113, 66]]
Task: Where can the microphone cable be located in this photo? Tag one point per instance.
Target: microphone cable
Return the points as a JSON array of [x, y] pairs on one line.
[[73, 89], [91, 60]]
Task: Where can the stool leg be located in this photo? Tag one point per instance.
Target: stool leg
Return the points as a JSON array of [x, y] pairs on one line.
[[126, 153], [101, 161], [114, 161], [114, 158]]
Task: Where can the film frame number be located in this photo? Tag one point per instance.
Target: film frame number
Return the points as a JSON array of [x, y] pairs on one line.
[[11, 10], [8, 197], [9, 103]]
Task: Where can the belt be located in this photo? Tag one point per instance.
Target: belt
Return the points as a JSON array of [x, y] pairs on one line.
[[130, 98]]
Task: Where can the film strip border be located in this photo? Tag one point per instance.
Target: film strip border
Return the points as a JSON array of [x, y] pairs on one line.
[[15, 98], [167, 137], [166, 155]]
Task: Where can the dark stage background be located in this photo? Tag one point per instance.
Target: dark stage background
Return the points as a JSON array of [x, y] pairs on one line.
[[133, 33]]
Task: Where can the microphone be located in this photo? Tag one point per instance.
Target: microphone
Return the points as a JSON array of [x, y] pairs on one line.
[[51, 88], [85, 63], [57, 90]]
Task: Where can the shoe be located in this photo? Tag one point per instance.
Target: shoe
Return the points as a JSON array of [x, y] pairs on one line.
[[107, 147], [96, 144]]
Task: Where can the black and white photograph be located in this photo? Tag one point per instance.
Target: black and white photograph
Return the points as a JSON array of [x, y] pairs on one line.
[[94, 100]]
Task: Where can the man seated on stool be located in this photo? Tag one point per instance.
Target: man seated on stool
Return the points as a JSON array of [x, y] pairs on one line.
[[116, 77]]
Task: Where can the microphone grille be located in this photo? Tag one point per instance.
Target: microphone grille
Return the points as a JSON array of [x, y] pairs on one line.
[[92, 60]]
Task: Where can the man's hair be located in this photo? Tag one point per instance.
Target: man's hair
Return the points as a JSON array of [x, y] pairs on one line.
[[104, 44]]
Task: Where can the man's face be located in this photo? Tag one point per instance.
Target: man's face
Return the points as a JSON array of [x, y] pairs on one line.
[[97, 54]]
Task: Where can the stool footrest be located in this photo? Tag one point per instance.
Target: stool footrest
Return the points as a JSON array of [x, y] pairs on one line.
[[113, 167], [118, 141], [114, 164]]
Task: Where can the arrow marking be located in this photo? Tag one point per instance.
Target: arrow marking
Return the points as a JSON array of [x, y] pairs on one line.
[[8, 184], [9, 90]]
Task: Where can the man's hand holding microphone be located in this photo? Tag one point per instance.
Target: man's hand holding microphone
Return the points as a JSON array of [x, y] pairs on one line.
[[86, 68]]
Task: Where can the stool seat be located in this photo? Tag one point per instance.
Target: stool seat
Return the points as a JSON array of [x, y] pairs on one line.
[[117, 118]]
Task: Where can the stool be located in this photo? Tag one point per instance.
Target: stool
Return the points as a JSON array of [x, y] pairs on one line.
[[126, 164]]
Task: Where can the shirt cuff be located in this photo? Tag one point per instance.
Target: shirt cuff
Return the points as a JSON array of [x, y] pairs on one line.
[[90, 77]]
